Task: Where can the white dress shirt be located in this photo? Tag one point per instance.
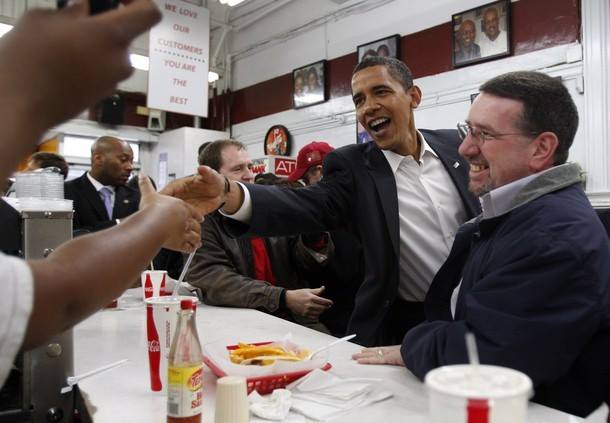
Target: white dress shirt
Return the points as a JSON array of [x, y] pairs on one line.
[[429, 212], [98, 186]]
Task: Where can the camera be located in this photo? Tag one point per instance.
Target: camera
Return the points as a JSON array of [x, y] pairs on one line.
[[95, 6]]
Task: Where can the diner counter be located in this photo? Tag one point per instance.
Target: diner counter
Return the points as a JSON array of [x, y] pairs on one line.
[[123, 394]]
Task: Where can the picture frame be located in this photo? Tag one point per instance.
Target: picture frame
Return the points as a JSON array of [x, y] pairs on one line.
[[309, 84], [388, 46], [481, 34], [277, 141], [362, 135]]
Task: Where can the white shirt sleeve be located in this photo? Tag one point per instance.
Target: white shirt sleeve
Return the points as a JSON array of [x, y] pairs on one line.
[[16, 304], [245, 211]]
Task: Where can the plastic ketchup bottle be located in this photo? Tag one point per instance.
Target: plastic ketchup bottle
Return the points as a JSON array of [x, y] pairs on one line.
[[185, 369]]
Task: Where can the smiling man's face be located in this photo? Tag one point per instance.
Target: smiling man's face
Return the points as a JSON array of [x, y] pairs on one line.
[[385, 108]]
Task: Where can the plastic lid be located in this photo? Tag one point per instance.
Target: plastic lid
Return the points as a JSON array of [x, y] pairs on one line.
[[188, 304]]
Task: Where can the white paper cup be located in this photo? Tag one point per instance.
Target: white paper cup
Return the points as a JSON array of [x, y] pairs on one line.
[[153, 283], [161, 319], [496, 395], [231, 400]]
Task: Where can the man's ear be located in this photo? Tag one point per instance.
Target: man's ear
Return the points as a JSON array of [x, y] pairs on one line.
[[544, 148], [415, 96]]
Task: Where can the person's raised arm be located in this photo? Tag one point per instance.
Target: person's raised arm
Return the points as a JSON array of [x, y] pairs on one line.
[[88, 272], [55, 63], [207, 191]]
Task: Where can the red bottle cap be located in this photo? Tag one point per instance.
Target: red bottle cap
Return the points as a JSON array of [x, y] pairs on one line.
[[188, 304]]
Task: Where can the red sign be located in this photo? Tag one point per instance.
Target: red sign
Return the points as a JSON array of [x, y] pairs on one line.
[[284, 167]]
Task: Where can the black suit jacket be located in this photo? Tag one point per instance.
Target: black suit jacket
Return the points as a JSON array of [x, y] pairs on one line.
[[358, 191], [89, 211]]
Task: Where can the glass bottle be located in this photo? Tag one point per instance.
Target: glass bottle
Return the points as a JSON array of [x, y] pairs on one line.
[[185, 369]]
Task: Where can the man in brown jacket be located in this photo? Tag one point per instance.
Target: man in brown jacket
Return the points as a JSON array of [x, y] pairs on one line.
[[261, 273]]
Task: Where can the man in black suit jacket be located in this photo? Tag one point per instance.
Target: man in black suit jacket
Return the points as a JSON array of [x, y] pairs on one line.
[[403, 196], [111, 166]]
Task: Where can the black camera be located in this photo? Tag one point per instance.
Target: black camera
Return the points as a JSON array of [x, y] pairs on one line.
[[95, 6]]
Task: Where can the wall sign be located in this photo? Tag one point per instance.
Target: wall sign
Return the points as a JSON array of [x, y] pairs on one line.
[[277, 141], [179, 52]]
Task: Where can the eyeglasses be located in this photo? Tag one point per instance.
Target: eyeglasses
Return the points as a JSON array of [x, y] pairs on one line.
[[480, 137]]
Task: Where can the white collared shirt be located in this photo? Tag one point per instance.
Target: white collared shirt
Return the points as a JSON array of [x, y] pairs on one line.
[[98, 186], [429, 212]]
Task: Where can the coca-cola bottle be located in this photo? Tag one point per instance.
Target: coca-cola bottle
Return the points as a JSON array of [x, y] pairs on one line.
[[185, 369]]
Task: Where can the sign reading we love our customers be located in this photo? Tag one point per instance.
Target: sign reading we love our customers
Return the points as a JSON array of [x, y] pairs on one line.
[[179, 49]]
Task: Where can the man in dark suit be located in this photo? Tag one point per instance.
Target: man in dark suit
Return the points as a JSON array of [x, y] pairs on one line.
[[402, 196], [101, 198]]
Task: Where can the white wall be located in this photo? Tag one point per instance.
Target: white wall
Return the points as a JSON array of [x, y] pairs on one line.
[[181, 147]]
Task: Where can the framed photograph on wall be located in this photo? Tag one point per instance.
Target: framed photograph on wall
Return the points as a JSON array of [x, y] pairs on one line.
[[309, 84], [389, 46], [481, 34], [362, 135]]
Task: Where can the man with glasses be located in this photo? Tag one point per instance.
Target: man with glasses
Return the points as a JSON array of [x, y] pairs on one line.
[[403, 197], [530, 276]]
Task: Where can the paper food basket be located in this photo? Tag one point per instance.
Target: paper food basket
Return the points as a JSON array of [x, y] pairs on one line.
[[265, 379]]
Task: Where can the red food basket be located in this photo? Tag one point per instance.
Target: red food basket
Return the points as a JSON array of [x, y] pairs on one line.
[[263, 384]]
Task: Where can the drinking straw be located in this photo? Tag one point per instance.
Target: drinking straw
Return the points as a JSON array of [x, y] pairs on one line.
[[183, 274], [473, 353]]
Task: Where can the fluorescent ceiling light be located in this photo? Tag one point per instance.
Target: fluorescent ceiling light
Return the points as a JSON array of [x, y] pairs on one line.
[[4, 28], [231, 2], [139, 62], [212, 77]]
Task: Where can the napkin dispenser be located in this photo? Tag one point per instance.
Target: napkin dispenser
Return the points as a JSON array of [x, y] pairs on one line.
[[32, 391]]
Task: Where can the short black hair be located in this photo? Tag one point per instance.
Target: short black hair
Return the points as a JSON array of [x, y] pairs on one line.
[[547, 106], [44, 159], [396, 68], [212, 154]]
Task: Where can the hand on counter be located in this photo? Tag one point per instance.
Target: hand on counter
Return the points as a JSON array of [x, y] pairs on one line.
[[307, 302], [179, 220], [380, 355]]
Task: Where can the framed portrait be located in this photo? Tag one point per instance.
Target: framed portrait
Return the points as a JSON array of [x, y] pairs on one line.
[[277, 141], [389, 46], [309, 84], [481, 34], [362, 135]]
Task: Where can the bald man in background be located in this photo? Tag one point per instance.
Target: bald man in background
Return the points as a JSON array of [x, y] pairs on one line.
[[101, 197], [467, 49]]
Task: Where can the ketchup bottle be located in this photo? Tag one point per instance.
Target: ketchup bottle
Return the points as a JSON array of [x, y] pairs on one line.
[[185, 369]]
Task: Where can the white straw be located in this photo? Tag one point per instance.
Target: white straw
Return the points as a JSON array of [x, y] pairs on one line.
[[183, 274], [73, 380], [473, 353]]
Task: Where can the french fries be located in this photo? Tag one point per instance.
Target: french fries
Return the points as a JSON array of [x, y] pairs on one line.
[[264, 355]]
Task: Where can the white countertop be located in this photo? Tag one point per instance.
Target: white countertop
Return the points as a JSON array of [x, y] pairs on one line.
[[124, 395]]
